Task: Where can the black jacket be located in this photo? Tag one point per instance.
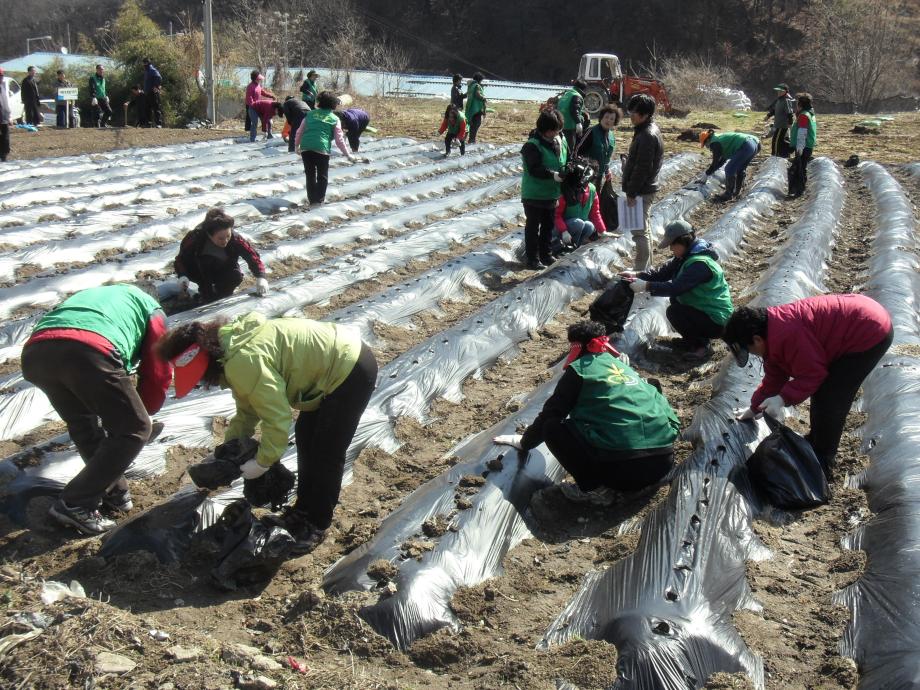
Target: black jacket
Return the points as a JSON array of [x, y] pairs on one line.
[[202, 268], [294, 110], [640, 171], [29, 92], [457, 97], [663, 281], [533, 161]]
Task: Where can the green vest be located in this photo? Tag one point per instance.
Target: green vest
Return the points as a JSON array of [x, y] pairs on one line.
[[454, 128], [732, 141], [812, 137], [308, 90], [99, 83], [119, 313], [581, 210], [544, 189], [474, 99], [320, 125], [713, 297], [565, 106], [617, 409], [601, 148]]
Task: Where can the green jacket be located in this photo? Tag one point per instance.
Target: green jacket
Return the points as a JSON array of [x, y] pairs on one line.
[[565, 107], [731, 141], [119, 313], [544, 188], [475, 99], [273, 366], [581, 210], [713, 298], [811, 138], [97, 87], [308, 91], [617, 409], [319, 127]]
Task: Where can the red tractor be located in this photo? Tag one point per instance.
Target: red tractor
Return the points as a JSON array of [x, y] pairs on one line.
[[607, 84]]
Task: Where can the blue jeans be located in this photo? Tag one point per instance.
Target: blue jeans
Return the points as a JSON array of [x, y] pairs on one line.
[[579, 229], [741, 158], [253, 123]]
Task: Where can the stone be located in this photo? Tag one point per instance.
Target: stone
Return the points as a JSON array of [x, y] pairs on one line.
[[108, 662], [179, 653], [250, 682], [244, 655]]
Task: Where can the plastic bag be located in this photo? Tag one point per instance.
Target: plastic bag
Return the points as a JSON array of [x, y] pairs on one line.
[[252, 550], [612, 306], [786, 471], [223, 466], [271, 489]]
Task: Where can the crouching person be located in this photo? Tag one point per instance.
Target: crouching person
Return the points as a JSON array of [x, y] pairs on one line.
[[701, 301], [578, 209], [611, 430], [82, 355], [273, 366]]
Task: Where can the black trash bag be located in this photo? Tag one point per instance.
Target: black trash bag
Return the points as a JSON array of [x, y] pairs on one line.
[[785, 470], [612, 306], [251, 552], [271, 489], [223, 466]]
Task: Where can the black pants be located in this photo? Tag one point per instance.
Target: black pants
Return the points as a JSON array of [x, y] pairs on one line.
[[798, 173], [569, 135], [154, 109], [316, 167], [448, 140], [102, 112], [323, 436], [4, 141], [354, 140], [694, 326], [608, 202], [295, 125], [219, 283], [97, 400], [779, 144], [33, 114], [475, 124], [61, 112], [831, 403], [592, 467], [538, 230]]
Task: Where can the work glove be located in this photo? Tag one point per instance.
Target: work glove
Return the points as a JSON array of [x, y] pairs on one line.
[[774, 407], [746, 414], [578, 130], [184, 282], [513, 440], [261, 287], [94, 102], [638, 285], [566, 237], [251, 469], [629, 275], [557, 176]]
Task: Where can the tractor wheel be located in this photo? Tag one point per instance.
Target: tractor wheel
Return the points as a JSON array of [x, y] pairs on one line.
[[595, 99]]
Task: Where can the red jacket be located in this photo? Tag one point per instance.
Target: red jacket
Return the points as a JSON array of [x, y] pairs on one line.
[[804, 337], [594, 214]]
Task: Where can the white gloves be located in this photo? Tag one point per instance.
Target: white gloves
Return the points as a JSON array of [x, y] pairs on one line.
[[94, 102], [513, 440], [629, 275], [261, 287], [578, 130], [566, 237], [557, 176], [183, 284], [252, 470], [638, 285], [748, 413], [774, 407]]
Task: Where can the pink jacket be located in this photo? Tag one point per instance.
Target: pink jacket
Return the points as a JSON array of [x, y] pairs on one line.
[[804, 337], [594, 215], [253, 93]]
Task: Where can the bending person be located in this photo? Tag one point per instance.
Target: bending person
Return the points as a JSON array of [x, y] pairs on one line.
[[210, 257], [820, 348], [606, 426], [701, 301], [314, 141], [82, 355], [734, 150], [273, 366], [354, 122], [454, 124]]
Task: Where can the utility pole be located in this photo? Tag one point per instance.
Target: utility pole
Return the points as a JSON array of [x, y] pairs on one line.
[[209, 62]]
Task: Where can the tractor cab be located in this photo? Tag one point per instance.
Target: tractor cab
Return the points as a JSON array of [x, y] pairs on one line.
[[599, 67]]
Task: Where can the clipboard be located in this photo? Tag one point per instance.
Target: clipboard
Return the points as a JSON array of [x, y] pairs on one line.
[[631, 217]]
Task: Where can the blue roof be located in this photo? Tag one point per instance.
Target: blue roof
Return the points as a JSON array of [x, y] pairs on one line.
[[41, 61]]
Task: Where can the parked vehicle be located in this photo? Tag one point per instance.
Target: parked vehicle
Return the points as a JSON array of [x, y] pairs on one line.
[[607, 84]]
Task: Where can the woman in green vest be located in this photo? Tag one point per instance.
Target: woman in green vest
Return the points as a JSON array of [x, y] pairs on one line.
[[475, 105], [734, 150], [273, 366], [545, 155], [314, 141], [82, 355], [454, 124], [308, 89], [610, 429], [701, 301], [571, 105], [804, 136], [598, 144]]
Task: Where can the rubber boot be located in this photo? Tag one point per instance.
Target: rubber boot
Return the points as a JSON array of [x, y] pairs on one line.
[[739, 183], [729, 189]]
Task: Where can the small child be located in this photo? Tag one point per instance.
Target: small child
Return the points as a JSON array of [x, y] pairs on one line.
[[454, 123], [578, 211]]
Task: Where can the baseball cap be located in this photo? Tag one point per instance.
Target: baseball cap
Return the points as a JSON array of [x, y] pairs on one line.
[[673, 230], [781, 87], [188, 368]]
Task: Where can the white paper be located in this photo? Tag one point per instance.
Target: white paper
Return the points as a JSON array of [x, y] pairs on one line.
[[631, 217]]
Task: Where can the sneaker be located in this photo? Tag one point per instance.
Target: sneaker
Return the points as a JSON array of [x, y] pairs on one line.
[[602, 496], [535, 265], [269, 136], [307, 536], [86, 520], [118, 500], [462, 148], [547, 260]]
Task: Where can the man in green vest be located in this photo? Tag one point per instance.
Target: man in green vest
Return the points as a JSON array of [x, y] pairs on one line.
[[99, 98], [804, 136], [82, 355], [734, 150], [571, 105], [701, 301], [475, 105], [610, 429], [308, 90]]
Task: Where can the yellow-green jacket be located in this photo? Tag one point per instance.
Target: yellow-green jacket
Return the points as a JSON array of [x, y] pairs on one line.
[[272, 366]]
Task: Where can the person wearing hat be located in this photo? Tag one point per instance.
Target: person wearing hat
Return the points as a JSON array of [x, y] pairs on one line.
[[781, 110], [820, 348], [701, 302], [475, 105], [610, 429], [153, 84], [6, 116], [83, 354], [571, 105], [272, 366], [308, 90], [734, 150], [456, 92]]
